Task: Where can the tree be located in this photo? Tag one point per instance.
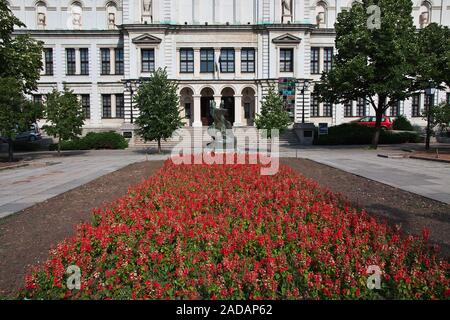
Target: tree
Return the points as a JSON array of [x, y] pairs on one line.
[[273, 115], [20, 64], [64, 115], [433, 67], [439, 116], [373, 64], [157, 101]]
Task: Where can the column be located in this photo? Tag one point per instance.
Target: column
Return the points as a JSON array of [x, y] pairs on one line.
[[196, 62], [197, 111], [237, 62], [112, 62], [77, 61], [237, 111], [216, 60], [218, 100], [113, 106]]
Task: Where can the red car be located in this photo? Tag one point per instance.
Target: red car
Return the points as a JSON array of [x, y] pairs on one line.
[[386, 122]]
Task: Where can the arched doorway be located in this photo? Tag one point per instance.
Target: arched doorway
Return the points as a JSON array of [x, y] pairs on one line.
[[228, 103], [248, 104], [207, 95], [187, 105]]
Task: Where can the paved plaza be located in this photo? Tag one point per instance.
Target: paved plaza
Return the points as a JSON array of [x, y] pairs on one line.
[[47, 177]]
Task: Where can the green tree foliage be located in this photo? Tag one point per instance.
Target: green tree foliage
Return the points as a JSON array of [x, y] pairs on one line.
[[158, 103], [440, 117], [373, 62], [64, 115], [273, 115], [402, 123]]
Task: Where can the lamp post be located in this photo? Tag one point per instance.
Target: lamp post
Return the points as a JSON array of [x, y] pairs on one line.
[[305, 87], [429, 92], [130, 86]]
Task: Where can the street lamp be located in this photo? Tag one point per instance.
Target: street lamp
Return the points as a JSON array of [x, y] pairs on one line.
[[130, 85], [305, 87], [429, 92]]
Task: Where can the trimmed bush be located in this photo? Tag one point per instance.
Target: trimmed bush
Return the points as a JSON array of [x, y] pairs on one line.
[[24, 146], [402, 123], [351, 133], [95, 141]]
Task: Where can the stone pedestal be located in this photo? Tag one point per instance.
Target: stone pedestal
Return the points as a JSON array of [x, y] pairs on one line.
[[305, 133]]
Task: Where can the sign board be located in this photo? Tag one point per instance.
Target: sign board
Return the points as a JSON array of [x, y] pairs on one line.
[[286, 89], [323, 129]]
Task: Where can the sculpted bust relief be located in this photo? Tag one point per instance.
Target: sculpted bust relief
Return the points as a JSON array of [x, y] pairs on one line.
[[286, 6], [41, 19], [147, 6]]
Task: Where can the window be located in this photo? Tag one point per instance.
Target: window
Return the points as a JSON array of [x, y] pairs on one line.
[[327, 59], [120, 62], [247, 110], [186, 60], [314, 105], [448, 97], [327, 109], [315, 56], [120, 106], [429, 101], [37, 98], [415, 105], [286, 60], [206, 60], [187, 110], [248, 60], [86, 105], [148, 60], [48, 53], [348, 109], [227, 60], [70, 61], [361, 107], [84, 61], [106, 61], [106, 106], [395, 110]]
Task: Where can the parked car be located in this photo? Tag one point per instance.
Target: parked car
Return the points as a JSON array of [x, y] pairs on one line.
[[31, 135], [386, 122]]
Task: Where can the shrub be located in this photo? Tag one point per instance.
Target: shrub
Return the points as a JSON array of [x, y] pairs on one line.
[[25, 146], [232, 233], [95, 141], [402, 123], [352, 133]]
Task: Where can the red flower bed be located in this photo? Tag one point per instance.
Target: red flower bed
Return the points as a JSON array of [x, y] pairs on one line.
[[227, 232]]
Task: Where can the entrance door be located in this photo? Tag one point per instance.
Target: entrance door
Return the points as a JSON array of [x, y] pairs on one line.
[[206, 117], [228, 103]]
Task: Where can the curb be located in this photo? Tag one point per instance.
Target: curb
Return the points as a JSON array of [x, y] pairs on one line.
[[14, 166], [429, 159]]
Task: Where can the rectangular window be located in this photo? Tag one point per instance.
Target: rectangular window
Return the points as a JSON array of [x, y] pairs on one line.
[[286, 60], [227, 60], [327, 109], [206, 60], [70, 61], [86, 105], [248, 60], [361, 107], [120, 106], [448, 97], [148, 60], [186, 60], [348, 109], [415, 105], [429, 101], [314, 105], [37, 98], [48, 52], [84, 61], [327, 59], [106, 61], [106, 106], [395, 110], [120, 61], [315, 56]]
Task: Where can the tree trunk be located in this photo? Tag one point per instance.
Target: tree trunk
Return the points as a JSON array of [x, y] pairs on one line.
[[59, 147], [159, 145], [10, 150], [428, 128], [379, 115]]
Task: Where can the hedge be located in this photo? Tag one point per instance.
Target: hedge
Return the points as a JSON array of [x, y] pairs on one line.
[[95, 141], [353, 134]]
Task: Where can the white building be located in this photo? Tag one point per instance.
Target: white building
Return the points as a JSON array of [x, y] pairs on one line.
[[226, 50]]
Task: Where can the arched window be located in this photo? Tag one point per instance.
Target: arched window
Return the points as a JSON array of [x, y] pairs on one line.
[[321, 14], [41, 14], [111, 15], [425, 14], [76, 11]]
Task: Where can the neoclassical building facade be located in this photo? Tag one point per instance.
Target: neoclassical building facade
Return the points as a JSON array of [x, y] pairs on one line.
[[221, 50]]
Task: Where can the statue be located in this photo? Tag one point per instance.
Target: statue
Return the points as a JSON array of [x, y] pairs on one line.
[[76, 19], [286, 6], [111, 20], [221, 128], [320, 18], [41, 19], [147, 8], [423, 20]]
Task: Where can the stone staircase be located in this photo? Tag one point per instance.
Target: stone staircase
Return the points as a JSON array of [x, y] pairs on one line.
[[188, 136]]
